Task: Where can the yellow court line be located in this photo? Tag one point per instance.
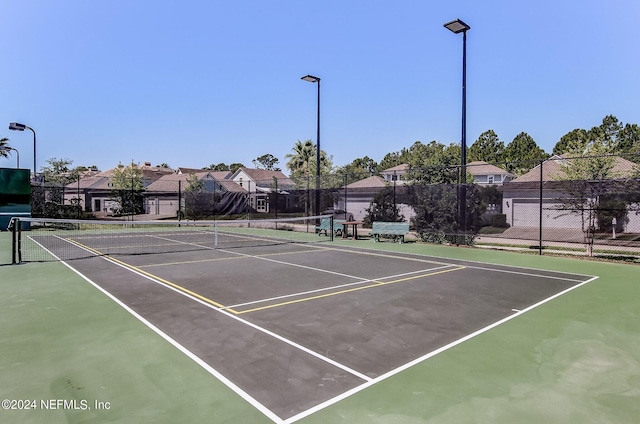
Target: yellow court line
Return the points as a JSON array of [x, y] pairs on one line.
[[148, 274], [376, 284]]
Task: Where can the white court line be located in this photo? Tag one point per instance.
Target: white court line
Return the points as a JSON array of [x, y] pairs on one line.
[[427, 356], [149, 277], [224, 380], [464, 262], [369, 381], [363, 281]]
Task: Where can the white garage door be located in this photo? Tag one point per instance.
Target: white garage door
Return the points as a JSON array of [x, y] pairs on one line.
[[527, 214]]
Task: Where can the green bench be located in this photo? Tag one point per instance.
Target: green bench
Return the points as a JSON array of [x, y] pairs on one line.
[[397, 230], [325, 226]]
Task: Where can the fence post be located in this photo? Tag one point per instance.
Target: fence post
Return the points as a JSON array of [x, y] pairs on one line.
[[540, 217], [179, 200], [346, 200], [275, 198]]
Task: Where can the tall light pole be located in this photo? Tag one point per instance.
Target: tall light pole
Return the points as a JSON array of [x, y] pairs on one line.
[[457, 27], [8, 149], [14, 126], [311, 78]]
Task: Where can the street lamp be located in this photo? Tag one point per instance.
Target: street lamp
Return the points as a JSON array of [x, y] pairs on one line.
[[14, 126], [8, 149], [311, 78], [457, 27]]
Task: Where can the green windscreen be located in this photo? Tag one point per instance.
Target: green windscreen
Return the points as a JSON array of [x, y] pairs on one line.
[[15, 194]]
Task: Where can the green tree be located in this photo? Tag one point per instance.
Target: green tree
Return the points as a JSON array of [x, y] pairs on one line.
[[217, 167], [628, 141], [198, 203], [434, 170], [573, 141], [392, 159], [436, 218], [194, 184], [224, 167], [433, 163], [127, 186], [235, 166], [267, 161], [383, 207], [358, 169], [586, 181], [59, 171], [608, 131], [522, 154], [57, 175], [487, 148]]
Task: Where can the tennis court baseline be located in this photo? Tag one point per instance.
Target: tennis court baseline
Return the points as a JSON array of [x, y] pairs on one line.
[[295, 327]]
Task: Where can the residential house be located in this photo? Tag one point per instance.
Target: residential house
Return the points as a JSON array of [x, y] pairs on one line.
[[486, 174], [522, 197], [165, 196], [395, 174], [95, 191], [356, 197], [260, 184]]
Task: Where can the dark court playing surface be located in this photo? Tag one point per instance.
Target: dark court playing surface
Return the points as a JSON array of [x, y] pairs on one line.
[[291, 326]]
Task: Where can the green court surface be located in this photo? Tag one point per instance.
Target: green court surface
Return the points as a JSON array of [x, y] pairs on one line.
[[70, 354]]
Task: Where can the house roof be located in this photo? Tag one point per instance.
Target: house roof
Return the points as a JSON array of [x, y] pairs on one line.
[[150, 173], [221, 175], [264, 177], [173, 182], [91, 182], [403, 167], [552, 169], [374, 181], [260, 174], [232, 186], [484, 168], [182, 170], [218, 175]]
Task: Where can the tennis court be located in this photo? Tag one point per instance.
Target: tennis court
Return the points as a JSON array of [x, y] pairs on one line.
[[294, 327]]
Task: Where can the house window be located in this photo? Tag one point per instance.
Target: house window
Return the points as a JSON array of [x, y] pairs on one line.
[[490, 179], [240, 181]]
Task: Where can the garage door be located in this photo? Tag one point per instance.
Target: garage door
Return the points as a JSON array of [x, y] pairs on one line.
[[527, 214]]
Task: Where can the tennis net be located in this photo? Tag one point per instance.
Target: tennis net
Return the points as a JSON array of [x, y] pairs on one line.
[[41, 239]]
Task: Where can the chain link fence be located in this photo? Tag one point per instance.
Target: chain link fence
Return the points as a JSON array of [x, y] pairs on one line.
[[563, 205]]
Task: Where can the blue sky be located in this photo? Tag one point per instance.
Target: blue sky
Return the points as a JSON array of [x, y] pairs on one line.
[[197, 82]]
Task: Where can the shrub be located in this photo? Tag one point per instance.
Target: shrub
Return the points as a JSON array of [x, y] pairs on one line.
[[499, 221]]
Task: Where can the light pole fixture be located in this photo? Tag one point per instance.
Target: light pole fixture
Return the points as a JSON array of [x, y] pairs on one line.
[[8, 149], [14, 126], [311, 78], [457, 27]]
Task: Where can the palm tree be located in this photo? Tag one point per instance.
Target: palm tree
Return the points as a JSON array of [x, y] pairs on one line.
[[302, 162], [299, 160], [4, 147]]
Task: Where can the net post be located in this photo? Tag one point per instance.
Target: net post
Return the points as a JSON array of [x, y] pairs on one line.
[[215, 234], [16, 241], [14, 246], [331, 226]]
